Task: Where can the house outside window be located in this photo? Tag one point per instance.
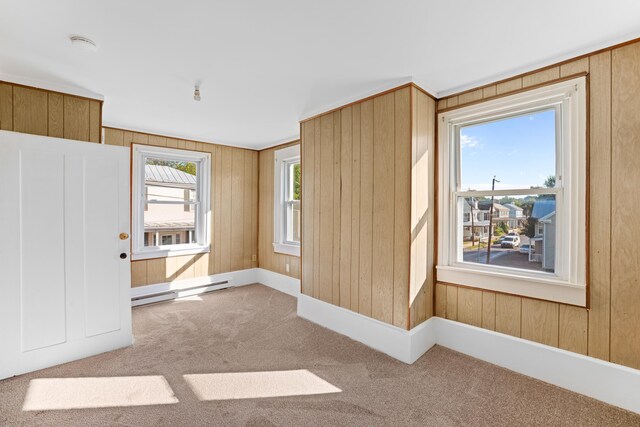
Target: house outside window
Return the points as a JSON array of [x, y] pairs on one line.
[[287, 196], [513, 194], [170, 202]]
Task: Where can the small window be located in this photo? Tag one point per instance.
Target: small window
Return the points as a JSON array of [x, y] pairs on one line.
[[171, 206], [513, 194], [287, 196]]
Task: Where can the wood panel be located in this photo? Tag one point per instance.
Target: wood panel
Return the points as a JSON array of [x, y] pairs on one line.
[[402, 215], [269, 259], [366, 206], [489, 310], [346, 195], [508, 314], [356, 206], [608, 329], [422, 207], [470, 306], [625, 233], [56, 115], [600, 207], [42, 112], [572, 333], [540, 321], [30, 111], [234, 212], [6, 106], [383, 208], [326, 209]]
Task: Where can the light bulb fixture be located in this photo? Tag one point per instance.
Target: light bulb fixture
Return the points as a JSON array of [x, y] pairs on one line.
[[196, 93], [84, 42]]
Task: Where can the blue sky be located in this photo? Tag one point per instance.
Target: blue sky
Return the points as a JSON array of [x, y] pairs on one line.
[[519, 151]]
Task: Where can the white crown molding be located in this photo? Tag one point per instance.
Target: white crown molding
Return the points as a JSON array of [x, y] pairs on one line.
[[55, 87]]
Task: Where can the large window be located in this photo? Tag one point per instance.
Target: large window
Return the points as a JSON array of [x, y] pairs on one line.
[[513, 194], [170, 200], [287, 201]]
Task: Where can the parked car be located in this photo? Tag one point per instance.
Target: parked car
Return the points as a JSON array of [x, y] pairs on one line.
[[510, 242], [512, 233], [524, 249]]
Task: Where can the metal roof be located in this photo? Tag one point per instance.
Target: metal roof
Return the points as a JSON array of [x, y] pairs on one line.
[[543, 207], [168, 175], [512, 206]]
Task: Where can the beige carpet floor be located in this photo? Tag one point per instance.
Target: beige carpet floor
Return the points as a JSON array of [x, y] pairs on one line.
[[255, 329]]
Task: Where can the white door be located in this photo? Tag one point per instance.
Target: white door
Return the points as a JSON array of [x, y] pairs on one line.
[[64, 288]]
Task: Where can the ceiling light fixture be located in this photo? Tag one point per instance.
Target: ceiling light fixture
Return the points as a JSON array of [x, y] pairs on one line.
[[196, 93], [84, 42]]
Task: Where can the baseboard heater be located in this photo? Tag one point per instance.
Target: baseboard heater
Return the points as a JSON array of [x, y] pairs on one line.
[[178, 293]]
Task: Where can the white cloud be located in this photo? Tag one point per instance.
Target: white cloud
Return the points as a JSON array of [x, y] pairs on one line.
[[467, 141]]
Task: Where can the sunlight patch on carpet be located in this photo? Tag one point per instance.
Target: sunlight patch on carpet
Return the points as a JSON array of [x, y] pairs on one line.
[[252, 385], [97, 392]]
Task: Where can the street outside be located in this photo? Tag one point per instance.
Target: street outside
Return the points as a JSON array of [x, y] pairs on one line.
[[506, 257]]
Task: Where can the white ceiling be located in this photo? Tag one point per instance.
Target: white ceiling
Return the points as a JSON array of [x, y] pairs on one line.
[[263, 65]]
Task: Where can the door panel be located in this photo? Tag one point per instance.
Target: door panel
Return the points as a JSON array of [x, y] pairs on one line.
[[65, 289], [101, 261], [41, 249]]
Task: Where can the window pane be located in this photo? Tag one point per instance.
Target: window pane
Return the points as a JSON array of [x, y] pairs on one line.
[[520, 151], [168, 225], [293, 222], [163, 179], [169, 181], [523, 231], [295, 172]]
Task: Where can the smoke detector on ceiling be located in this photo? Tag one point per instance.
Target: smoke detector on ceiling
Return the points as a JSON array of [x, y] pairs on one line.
[[196, 93], [84, 42]]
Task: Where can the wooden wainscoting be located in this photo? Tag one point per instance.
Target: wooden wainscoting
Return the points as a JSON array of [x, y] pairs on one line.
[[269, 259], [234, 203], [609, 329], [356, 197], [42, 112]]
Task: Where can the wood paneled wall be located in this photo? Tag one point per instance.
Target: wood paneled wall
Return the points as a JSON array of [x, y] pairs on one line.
[[269, 259], [234, 204], [356, 206], [610, 329], [422, 207], [42, 112]]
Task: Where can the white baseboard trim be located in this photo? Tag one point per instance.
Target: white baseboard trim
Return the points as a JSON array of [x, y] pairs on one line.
[[604, 381], [182, 288], [279, 282], [406, 346]]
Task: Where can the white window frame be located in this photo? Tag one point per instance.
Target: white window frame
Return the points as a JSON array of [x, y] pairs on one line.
[[202, 203], [568, 282], [282, 185]]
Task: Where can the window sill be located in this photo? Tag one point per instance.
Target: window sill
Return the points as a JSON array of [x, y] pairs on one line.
[[549, 289], [282, 248], [166, 253]]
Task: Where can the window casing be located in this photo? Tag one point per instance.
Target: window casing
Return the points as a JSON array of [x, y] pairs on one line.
[[170, 234], [287, 213], [564, 278]]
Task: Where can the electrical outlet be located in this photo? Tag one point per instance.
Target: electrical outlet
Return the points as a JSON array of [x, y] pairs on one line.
[[254, 257], [286, 267]]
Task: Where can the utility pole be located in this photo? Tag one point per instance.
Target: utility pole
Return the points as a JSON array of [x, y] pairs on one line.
[[493, 187]]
